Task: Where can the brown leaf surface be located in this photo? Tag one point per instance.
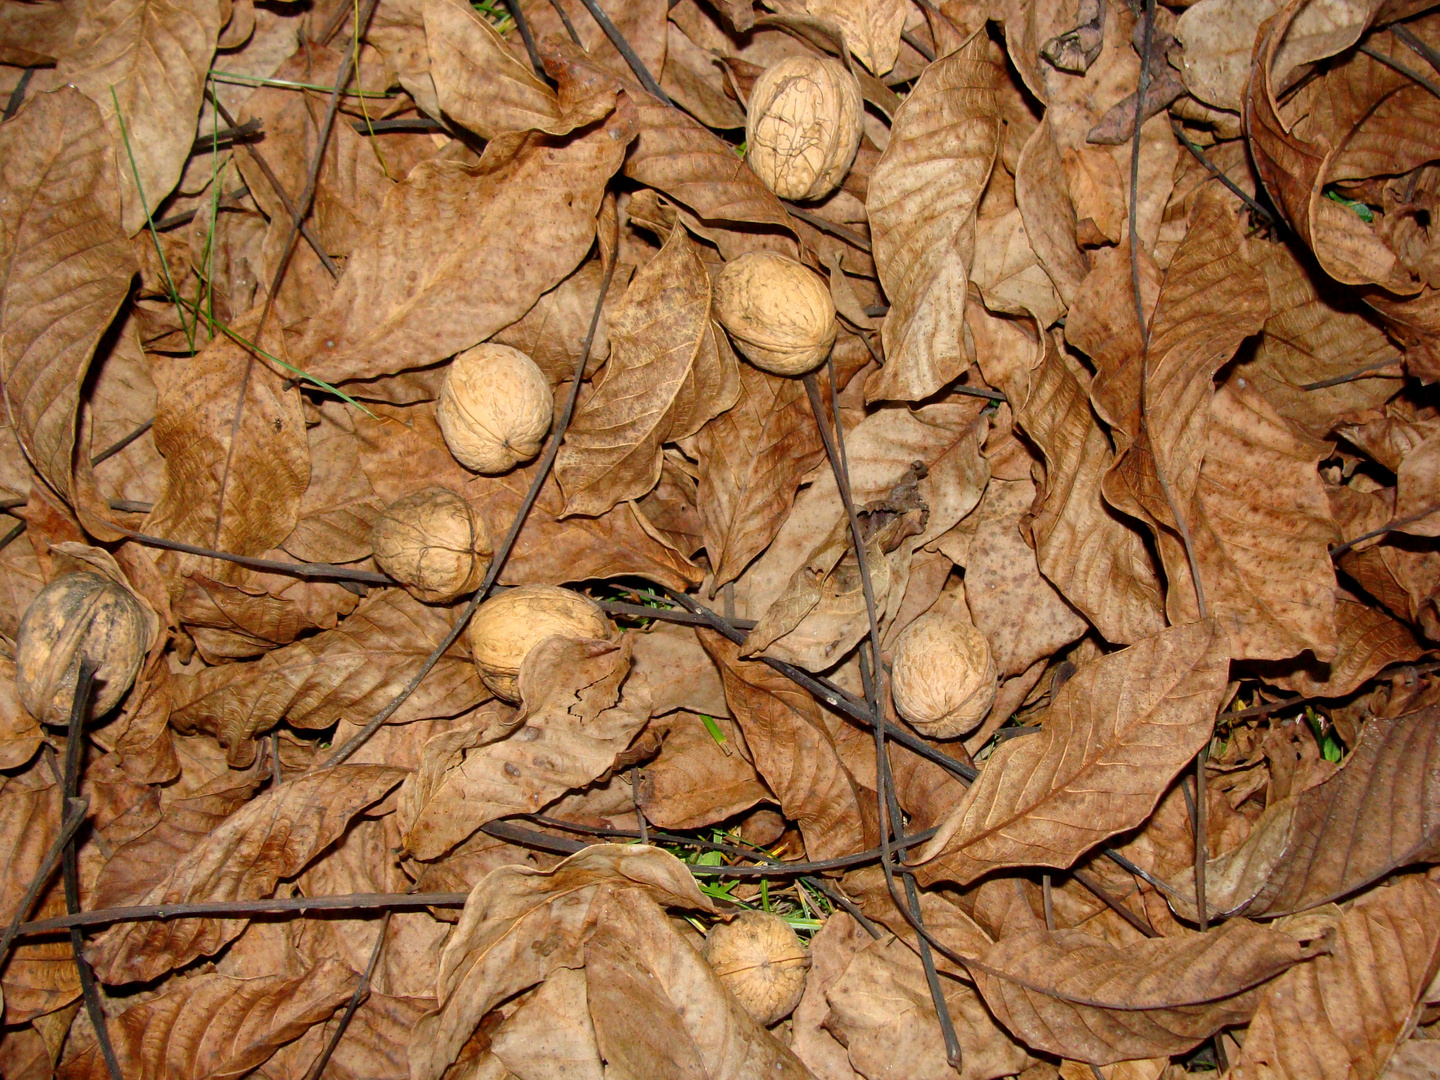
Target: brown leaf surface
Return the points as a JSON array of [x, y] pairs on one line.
[[669, 372], [519, 925], [270, 837], [694, 781], [793, 751], [1347, 1013], [64, 269], [921, 203], [1077, 996], [215, 1026], [1117, 733]]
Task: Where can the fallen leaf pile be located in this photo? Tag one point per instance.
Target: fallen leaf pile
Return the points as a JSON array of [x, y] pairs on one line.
[[886, 539]]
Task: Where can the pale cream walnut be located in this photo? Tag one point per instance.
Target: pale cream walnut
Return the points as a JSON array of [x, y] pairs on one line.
[[778, 313], [495, 408], [803, 126], [761, 961], [508, 626], [943, 677], [433, 543]]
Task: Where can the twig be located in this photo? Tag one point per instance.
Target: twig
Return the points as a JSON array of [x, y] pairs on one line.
[[303, 570], [1230, 185], [918, 45], [17, 96], [1340, 549], [12, 535], [1403, 69], [403, 123], [513, 6], [1099, 892], [850, 236], [115, 448], [207, 143], [74, 819], [1405, 34], [1358, 373], [623, 47], [227, 201], [1048, 901], [569, 26], [497, 563], [74, 748], [1201, 844], [362, 991]]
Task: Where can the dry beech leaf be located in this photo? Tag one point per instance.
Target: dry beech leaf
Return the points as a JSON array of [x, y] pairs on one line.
[[519, 925], [550, 1033], [565, 736], [1045, 208], [669, 372], [1346, 1014], [35, 34], [882, 1010], [1367, 639], [553, 332], [1379, 813], [374, 1047], [752, 458], [921, 204], [793, 751], [398, 306], [1075, 995], [30, 813], [269, 838], [236, 457], [212, 1025], [678, 671], [66, 269], [695, 781], [20, 732], [151, 58], [660, 1010], [1116, 735], [339, 506], [871, 28]]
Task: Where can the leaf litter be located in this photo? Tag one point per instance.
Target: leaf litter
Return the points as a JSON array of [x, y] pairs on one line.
[[1135, 340]]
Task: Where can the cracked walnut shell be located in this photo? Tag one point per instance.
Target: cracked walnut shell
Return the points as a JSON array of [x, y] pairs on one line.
[[942, 676], [508, 626], [803, 126], [432, 542], [777, 312], [761, 962], [494, 409], [77, 616]]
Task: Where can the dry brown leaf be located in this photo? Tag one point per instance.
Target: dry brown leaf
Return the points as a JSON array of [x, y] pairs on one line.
[[386, 315], [149, 59], [1367, 639], [566, 735], [20, 732], [752, 459], [550, 1033], [1379, 813], [693, 81], [553, 332], [1045, 207], [871, 28], [339, 506], [695, 781], [1077, 996], [215, 1026], [921, 204], [1417, 489], [496, 949], [30, 814], [1345, 1014], [64, 270], [793, 751], [1115, 737], [270, 837], [642, 22], [669, 372], [36, 34], [677, 670]]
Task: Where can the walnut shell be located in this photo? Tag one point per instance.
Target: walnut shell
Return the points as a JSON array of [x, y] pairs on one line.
[[76, 616], [509, 625], [803, 126], [777, 312], [495, 408], [760, 961], [942, 675], [432, 542]]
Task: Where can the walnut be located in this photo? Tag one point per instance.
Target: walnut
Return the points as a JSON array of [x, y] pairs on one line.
[[803, 126], [76, 616], [495, 408], [942, 676], [777, 312], [760, 961], [432, 543], [509, 625]]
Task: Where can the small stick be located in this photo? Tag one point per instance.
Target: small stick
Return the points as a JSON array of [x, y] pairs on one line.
[[1114, 905], [227, 201], [403, 123], [1405, 34], [304, 570], [635, 798], [1358, 373], [1403, 69], [17, 96], [1201, 844], [76, 817], [207, 143], [1340, 549], [1045, 895], [362, 991], [1230, 185], [623, 47], [513, 6], [850, 236], [115, 448], [569, 26], [12, 535]]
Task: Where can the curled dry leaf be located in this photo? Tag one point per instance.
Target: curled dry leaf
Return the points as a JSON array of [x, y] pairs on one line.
[[695, 781], [494, 951], [1348, 1012], [1116, 735], [921, 204], [269, 838], [1080, 997]]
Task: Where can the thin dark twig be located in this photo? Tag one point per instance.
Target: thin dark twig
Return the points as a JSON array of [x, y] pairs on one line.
[[278, 188], [328, 571], [687, 618], [74, 748], [362, 991], [623, 48], [206, 143], [115, 448], [1140, 319], [1358, 373], [227, 201], [1100, 893], [12, 535], [850, 236], [1398, 523], [918, 45], [639, 810], [1403, 69], [78, 808], [1420, 46], [1230, 185], [513, 6], [569, 26], [401, 123], [17, 96], [1144, 875], [1048, 901], [497, 563], [12, 504], [1201, 844]]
